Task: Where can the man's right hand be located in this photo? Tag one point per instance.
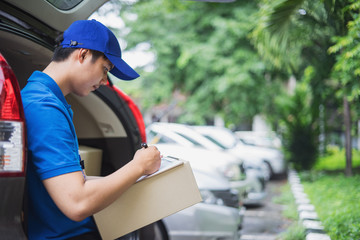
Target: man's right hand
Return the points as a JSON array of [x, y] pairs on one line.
[[149, 159]]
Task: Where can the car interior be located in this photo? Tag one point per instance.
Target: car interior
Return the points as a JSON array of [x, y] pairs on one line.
[[102, 120]]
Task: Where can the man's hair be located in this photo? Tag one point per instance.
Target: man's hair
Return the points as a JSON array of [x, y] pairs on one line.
[[61, 54]]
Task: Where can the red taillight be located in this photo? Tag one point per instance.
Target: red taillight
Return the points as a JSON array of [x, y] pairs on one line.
[[12, 126]]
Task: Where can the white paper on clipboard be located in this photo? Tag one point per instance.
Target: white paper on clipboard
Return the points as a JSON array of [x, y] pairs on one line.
[[167, 163]]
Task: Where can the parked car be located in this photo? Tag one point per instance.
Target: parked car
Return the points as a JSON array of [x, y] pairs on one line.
[[251, 188], [218, 216], [259, 138], [268, 162], [106, 119], [272, 158], [212, 162], [186, 136]]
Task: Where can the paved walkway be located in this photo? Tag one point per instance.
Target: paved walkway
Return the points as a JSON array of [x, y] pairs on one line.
[[265, 222]]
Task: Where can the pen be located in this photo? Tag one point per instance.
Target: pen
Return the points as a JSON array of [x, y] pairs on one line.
[[144, 145]]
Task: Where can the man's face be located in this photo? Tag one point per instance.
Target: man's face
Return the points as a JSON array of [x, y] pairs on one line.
[[91, 74]]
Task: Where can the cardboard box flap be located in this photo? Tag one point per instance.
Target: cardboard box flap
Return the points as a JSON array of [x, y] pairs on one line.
[[148, 201]]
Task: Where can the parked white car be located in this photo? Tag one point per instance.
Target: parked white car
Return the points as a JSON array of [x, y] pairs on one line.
[[269, 162], [250, 187], [259, 138], [211, 162], [186, 136], [271, 158]]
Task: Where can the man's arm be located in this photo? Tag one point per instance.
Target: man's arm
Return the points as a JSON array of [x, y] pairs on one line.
[[78, 199]]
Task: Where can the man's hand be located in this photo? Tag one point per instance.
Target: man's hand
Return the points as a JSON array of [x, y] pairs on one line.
[[149, 159]]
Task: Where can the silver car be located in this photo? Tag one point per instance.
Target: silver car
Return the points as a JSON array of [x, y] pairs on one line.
[[218, 216]]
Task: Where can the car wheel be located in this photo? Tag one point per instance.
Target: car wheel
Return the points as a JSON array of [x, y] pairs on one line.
[[154, 231], [160, 231], [130, 236], [267, 171]]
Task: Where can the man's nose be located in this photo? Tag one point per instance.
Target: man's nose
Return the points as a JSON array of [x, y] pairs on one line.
[[104, 80]]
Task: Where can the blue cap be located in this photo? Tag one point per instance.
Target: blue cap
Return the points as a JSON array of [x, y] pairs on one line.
[[91, 34]]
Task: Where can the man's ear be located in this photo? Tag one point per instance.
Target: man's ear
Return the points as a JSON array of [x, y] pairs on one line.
[[82, 54]]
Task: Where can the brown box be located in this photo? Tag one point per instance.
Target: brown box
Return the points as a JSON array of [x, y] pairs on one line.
[[92, 160], [148, 201]]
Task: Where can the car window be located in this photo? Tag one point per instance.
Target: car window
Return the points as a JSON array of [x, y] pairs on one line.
[[156, 138], [196, 143], [216, 142]]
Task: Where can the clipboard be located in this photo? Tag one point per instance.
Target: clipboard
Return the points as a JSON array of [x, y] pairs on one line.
[[167, 163]]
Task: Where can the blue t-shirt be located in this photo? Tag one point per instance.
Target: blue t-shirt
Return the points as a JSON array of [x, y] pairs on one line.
[[52, 151]]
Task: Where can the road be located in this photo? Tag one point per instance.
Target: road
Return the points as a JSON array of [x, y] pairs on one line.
[[265, 222]]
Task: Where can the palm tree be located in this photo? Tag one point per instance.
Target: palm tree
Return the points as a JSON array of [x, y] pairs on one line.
[[291, 32]]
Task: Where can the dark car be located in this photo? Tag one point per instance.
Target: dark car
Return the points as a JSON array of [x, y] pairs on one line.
[[107, 119]]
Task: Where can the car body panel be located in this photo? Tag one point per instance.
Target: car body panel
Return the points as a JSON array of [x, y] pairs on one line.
[[12, 193], [228, 139], [185, 132], [12, 154], [54, 17], [211, 162]]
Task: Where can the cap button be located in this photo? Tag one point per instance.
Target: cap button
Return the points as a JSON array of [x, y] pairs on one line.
[[73, 43]]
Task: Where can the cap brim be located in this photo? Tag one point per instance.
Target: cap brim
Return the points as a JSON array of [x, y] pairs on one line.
[[121, 69]]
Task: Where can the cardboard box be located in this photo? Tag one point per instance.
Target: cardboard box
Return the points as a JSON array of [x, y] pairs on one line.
[[92, 160], [148, 201]]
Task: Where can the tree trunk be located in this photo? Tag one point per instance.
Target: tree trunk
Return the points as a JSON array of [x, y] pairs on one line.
[[348, 147]]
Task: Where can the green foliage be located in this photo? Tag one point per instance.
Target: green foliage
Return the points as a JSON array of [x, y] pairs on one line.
[[298, 35], [334, 159], [203, 51], [230, 60], [347, 50], [336, 199], [272, 37], [299, 130], [295, 232]]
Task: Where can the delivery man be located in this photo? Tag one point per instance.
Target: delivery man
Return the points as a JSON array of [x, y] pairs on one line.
[[61, 199]]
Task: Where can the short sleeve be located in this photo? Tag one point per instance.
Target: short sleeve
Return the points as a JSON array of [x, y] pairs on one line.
[[52, 140]]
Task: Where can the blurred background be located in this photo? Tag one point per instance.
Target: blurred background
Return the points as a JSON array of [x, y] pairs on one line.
[[282, 75], [282, 66]]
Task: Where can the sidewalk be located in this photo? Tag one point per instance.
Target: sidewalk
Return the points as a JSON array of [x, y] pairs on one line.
[[265, 222]]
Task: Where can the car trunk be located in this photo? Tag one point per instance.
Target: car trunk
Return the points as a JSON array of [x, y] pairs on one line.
[[103, 120]]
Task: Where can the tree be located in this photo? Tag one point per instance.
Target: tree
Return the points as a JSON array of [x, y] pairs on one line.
[[347, 68], [203, 51], [284, 19]]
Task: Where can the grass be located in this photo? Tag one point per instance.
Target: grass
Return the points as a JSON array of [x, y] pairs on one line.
[[287, 199], [336, 199], [335, 159], [295, 231], [335, 196]]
